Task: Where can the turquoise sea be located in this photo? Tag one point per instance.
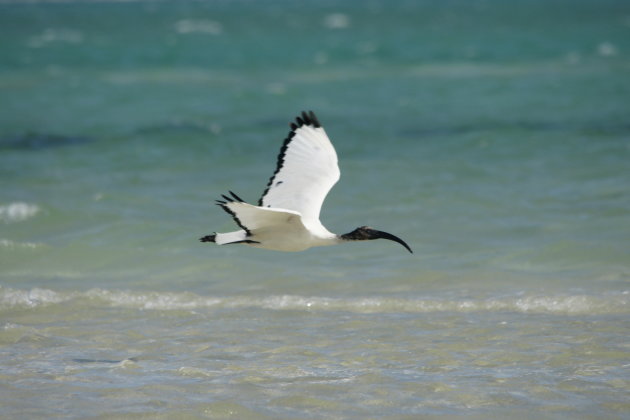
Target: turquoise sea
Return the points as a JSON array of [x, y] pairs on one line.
[[491, 135]]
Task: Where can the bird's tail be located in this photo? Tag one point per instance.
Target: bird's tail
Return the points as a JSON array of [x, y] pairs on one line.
[[238, 237], [209, 238]]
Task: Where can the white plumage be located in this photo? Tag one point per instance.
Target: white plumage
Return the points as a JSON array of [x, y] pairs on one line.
[[287, 215]]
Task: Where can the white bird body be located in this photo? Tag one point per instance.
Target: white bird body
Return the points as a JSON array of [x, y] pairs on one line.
[[275, 229], [287, 215]]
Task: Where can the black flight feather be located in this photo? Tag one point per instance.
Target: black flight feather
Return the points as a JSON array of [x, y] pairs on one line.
[[305, 119]]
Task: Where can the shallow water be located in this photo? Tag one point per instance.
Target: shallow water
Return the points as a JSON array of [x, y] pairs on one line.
[[492, 137], [114, 353]]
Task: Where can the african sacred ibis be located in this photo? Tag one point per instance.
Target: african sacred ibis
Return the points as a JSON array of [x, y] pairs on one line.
[[287, 215]]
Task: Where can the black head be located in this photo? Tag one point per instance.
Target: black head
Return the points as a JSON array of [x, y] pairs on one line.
[[365, 233]]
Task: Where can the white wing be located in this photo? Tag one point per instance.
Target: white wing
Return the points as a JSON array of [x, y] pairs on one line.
[[251, 218], [263, 227], [307, 170]]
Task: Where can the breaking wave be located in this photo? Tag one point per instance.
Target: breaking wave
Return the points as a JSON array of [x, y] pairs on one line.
[[609, 303], [9, 244], [17, 212]]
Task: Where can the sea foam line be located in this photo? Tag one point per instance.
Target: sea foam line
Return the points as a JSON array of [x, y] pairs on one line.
[[17, 212], [9, 244], [611, 303]]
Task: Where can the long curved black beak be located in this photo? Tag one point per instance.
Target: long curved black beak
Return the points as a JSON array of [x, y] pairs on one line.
[[384, 235]]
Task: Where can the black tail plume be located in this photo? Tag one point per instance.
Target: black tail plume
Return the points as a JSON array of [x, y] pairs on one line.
[[208, 238]]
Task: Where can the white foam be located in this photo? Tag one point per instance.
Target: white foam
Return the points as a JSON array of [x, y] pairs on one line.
[[153, 300], [51, 35], [17, 212], [7, 243], [186, 26], [337, 21], [612, 303], [570, 304], [606, 49], [10, 298]]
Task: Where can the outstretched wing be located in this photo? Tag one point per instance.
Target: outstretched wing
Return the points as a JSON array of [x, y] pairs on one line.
[[249, 217], [307, 170]]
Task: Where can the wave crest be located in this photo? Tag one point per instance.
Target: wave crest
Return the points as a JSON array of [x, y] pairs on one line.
[[17, 212], [611, 303]]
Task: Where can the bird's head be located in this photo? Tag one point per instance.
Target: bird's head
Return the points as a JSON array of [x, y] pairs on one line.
[[365, 233]]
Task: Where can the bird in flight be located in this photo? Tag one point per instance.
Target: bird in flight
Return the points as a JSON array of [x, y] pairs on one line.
[[287, 215]]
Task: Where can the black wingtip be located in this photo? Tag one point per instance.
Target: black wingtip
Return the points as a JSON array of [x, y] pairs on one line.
[[306, 118], [314, 121], [225, 206], [236, 197]]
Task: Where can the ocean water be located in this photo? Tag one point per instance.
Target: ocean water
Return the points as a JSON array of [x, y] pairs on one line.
[[492, 136]]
